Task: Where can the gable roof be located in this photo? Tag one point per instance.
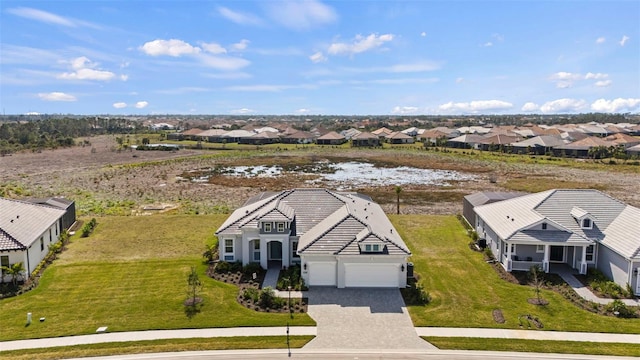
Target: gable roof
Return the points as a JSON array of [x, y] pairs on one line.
[[327, 222], [332, 135], [613, 221], [22, 223]]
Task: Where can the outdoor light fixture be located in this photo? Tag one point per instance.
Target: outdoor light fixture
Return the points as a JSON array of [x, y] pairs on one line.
[[304, 266], [402, 268]]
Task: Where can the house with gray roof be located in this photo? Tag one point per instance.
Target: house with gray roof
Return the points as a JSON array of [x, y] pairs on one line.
[[340, 239], [577, 228], [27, 229]]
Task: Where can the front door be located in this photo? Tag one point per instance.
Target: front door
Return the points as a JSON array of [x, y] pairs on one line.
[[275, 250], [556, 254]]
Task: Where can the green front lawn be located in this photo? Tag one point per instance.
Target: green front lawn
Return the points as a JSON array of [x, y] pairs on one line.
[[465, 289], [537, 346], [155, 346], [130, 274]]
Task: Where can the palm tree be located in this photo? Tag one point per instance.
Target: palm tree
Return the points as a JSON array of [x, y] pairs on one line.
[[398, 191], [15, 271]]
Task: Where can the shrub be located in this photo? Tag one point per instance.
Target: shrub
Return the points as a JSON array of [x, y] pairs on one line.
[[223, 267], [415, 294], [267, 296], [251, 268], [251, 294], [620, 309], [88, 228]]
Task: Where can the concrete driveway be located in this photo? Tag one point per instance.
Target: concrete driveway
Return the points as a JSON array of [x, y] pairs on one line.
[[362, 319]]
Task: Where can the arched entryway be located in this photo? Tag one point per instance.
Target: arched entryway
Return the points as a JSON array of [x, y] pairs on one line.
[[274, 253]]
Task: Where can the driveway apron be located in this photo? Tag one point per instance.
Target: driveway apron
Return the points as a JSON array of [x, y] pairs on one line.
[[362, 319]]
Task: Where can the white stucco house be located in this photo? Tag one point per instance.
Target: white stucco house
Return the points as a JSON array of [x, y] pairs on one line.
[[579, 228], [340, 239], [27, 229]]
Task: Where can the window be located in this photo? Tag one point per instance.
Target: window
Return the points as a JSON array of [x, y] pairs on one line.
[[41, 244], [50, 236], [372, 248], [589, 255], [540, 248], [586, 223], [280, 227], [544, 226], [4, 260], [256, 250], [228, 250], [267, 227], [294, 249], [506, 248]]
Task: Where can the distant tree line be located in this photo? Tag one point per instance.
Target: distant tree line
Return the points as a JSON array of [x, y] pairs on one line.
[[57, 132]]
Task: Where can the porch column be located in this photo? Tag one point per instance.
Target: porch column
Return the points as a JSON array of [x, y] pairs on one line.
[[286, 249], [246, 250], [545, 261], [264, 262], [583, 262], [509, 261]]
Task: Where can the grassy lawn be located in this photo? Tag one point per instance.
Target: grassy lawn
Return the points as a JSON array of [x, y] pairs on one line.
[[130, 274], [538, 346], [465, 290], [173, 345]]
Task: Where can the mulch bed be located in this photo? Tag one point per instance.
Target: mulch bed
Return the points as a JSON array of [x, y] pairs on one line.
[[244, 282], [498, 317]]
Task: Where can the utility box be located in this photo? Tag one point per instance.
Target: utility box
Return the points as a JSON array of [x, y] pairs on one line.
[[410, 270]]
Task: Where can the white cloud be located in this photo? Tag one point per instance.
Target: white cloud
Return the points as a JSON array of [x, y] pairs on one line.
[[624, 40], [601, 40], [56, 96], [43, 16], [476, 106], [563, 106], [239, 46], [120, 105], [423, 34], [403, 110], [302, 111], [242, 111], [487, 44], [301, 15], [238, 17], [213, 48], [223, 63], [617, 105], [603, 83], [402, 81], [318, 57], [171, 47], [596, 76], [359, 44], [85, 69], [124, 77], [459, 80], [530, 107], [415, 67], [562, 75], [229, 76], [267, 88], [141, 104]]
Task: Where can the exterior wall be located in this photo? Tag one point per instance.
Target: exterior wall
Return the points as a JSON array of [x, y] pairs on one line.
[[371, 259], [612, 265], [468, 213], [493, 242], [528, 251], [237, 247]]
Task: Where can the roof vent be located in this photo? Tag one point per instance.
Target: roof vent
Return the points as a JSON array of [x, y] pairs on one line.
[[11, 220], [512, 219], [391, 231], [507, 216]]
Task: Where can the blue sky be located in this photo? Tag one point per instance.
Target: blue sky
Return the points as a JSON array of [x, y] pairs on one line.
[[313, 57]]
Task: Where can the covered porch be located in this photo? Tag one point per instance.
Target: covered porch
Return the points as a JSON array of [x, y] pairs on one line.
[[522, 256]]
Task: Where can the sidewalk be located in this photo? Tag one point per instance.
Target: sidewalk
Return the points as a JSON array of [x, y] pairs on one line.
[[311, 330], [585, 293], [529, 335]]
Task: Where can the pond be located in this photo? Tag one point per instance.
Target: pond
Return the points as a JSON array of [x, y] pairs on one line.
[[344, 175]]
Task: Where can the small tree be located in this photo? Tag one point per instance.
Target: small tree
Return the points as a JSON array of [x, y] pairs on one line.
[[537, 280], [194, 288], [15, 270], [398, 190], [211, 252]]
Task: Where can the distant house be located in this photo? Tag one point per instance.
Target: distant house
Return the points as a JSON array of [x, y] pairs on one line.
[[580, 148], [497, 142], [538, 145], [331, 138], [575, 228], [382, 132], [298, 137], [234, 136], [27, 229], [339, 239], [399, 138], [261, 138], [467, 141], [470, 201], [365, 139]]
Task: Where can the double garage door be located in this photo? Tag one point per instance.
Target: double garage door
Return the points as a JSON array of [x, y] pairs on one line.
[[356, 274]]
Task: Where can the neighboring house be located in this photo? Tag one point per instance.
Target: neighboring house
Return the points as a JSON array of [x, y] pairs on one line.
[[339, 239], [27, 229], [399, 138], [539, 145], [331, 138], [470, 202], [365, 139], [575, 228]]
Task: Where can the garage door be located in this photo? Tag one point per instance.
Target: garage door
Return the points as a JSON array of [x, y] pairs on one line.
[[371, 275], [322, 273]]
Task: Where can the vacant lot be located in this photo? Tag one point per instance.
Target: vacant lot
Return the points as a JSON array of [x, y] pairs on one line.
[[466, 290], [130, 274], [105, 181]]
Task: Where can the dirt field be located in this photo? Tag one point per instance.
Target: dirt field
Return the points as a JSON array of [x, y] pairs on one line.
[[103, 180]]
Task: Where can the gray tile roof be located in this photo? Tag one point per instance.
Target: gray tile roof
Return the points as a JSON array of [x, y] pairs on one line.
[[22, 223], [327, 222], [487, 197], [615, 224]]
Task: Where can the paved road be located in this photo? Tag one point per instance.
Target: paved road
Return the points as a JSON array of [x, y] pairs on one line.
[[362, 319], [356, 354]]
